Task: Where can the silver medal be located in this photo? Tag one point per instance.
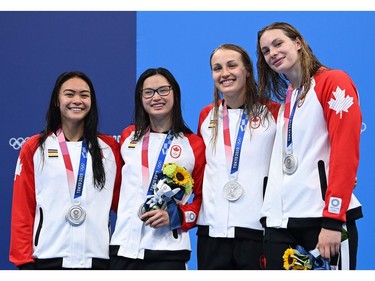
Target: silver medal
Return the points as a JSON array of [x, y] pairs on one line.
[[232, 190], [141, 210], [290, 164], [76, 215]]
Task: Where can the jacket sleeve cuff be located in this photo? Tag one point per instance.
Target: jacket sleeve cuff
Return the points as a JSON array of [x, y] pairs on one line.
[[332, 224], [26, 266]]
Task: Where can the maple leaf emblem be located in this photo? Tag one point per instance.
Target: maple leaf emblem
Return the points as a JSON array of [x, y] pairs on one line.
[[18, 169], [340, 103]]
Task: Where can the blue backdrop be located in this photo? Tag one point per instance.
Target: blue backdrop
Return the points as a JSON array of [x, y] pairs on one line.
[[113, 48], [183, 42], [35, 48]]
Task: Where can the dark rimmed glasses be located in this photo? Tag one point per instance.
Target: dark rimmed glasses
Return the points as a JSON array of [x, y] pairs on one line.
[[163, 91]]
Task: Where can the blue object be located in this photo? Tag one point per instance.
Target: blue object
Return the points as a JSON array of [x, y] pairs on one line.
[[319, 263]]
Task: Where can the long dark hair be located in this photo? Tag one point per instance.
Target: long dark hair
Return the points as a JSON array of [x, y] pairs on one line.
[[53, 123], [272, 82], [141, 118]]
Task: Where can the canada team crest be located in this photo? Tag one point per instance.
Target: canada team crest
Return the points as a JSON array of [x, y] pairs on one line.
[[175, 151], [255, 122]]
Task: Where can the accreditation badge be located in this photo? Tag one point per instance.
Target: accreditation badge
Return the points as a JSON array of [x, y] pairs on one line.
[[232, 190], [290, 164], [76, 215]]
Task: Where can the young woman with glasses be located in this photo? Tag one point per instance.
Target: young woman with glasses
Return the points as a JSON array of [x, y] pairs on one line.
[[146, 237]]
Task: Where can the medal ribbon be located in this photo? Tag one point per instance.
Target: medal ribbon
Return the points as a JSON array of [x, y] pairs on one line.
[[69, 166], [159, 163], [288, 117], [227, 143]]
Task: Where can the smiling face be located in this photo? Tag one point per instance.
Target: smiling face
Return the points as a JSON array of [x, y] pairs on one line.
[[280, 52], [74, 101], [158, 107], [229, 74]]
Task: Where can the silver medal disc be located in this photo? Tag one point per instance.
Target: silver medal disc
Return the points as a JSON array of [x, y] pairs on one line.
[[232, 190], [76, 215], [290, 164], [141, 210]]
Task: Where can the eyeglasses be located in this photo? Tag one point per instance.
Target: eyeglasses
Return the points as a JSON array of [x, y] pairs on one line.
[[163, 91]]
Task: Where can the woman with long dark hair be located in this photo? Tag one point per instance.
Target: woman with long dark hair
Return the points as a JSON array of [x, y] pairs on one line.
[[154, 216], [67, 179]]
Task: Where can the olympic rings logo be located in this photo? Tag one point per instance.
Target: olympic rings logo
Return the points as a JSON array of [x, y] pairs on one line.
[[17, 143]]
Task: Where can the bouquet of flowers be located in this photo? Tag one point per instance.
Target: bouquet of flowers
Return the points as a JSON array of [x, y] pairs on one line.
[[300, 259], [174, 182]]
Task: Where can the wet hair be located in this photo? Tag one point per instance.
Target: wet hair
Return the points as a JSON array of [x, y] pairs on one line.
[[53, 123], [270, 81], [252, 100], [141, 118]]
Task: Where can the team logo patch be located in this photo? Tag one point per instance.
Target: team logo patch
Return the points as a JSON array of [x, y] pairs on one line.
[[52, 153], [190, 217], [334, 205], [255, 122], [132, 144], [213, 124], [340, 102], [175, 151]]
